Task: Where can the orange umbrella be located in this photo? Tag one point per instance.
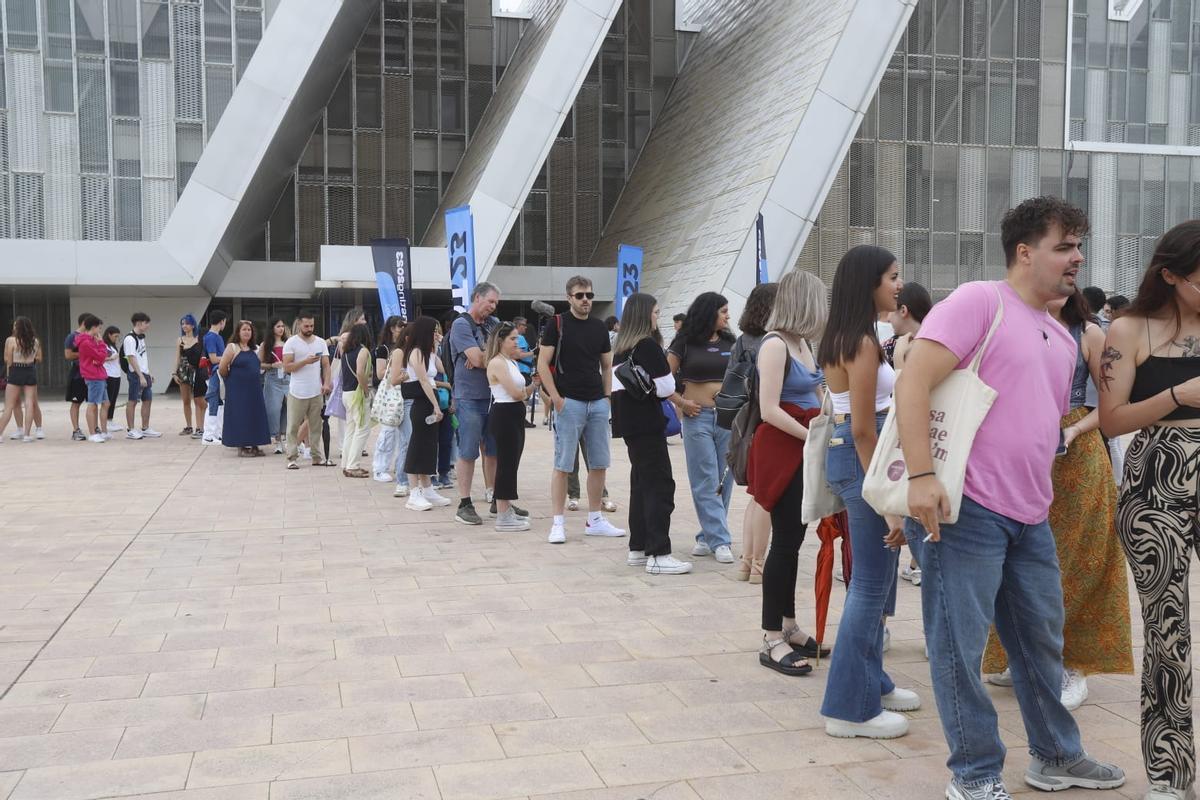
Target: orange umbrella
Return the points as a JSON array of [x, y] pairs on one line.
[[828, 529]]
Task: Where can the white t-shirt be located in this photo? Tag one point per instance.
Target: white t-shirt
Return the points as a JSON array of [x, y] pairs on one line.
[[135, 349], [306, 381], [112, 366]]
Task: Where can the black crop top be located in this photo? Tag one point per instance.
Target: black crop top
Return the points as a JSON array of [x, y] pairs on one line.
[[1157, 374]]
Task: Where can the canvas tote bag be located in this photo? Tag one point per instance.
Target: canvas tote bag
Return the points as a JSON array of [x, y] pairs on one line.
[[820, 500], [957, 407]]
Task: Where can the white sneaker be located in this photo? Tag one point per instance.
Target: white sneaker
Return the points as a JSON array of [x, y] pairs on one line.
[[133, 434], [1164, 792], [602, 527], [488, 495], [150, 433], [38, 433], [430, 494], [636, 558], [911, 574], [990, 791], [887, 639], [608, 505], [573, 504], [558, 534], [1074, 689], [1001, 678], [96, 437], [27, 439], [888, 725], [107, 436], [383, 477], [401, 490], [305, 450], [278, 448], [417, 501], [15, 435], [509, 522], [901, 700], [115, 427], [723, 554], [701, 549], [210, 440], [667, 565]]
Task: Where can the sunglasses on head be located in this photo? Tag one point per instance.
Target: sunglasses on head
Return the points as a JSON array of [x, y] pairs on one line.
[[584, 295]]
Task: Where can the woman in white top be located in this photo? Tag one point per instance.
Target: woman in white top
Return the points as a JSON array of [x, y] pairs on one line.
[[421, 460], [112, 369], [507, 421]]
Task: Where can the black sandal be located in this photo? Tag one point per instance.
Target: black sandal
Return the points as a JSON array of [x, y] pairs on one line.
[[809, 649], [792, 664]]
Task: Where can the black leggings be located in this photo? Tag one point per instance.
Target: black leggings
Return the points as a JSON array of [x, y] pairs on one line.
[[779, 571], [506, 421], [114, 393], [651, 494], [423, 445]]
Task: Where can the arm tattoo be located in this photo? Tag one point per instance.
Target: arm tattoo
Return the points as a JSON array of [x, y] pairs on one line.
[[1110, 356]]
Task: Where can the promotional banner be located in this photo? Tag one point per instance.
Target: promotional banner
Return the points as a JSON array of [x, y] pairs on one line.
[[763, 276], [629, 273], [460, 242], [393, 276]]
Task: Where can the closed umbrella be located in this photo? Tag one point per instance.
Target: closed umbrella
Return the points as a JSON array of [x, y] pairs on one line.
[[829, 529]]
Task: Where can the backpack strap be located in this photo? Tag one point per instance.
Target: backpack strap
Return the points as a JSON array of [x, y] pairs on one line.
[[558, 347]]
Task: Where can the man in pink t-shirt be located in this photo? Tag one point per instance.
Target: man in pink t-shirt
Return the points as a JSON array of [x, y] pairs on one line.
[[997, 562]]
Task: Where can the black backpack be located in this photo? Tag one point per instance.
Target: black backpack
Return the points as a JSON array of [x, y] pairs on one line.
[[735, 390], [745, 423], [121, 359]]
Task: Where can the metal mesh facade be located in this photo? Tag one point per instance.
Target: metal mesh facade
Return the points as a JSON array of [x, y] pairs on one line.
[[98, 108], [969, 120]]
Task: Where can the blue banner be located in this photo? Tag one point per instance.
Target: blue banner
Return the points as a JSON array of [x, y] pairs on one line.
[[629, 273], [393, 276], [763, 275], [460, 243]]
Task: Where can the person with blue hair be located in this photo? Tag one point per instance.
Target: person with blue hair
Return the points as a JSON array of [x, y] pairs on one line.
[[188, 375]]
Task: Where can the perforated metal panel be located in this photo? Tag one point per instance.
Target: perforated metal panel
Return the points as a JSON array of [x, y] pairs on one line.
[[311, 224], [370, 213], [1154, 195], [1177, 114], [158, 201], [189, 142], [158, 125], [25, 116], [218, 32], [397, 127], [341, 215], [889, 199], [96, 207], [61, 187], [218, 88], [369, 160], [127, 194], [1026, 182], [834, 230], [970, 257], [1129, 264], [1160, 66], [1102, 193], [28, 207], [561, 205], [126, 149], [809, 259], [189, 70], [1095, 104], [397, 220], [918, 165], [587, 223], [93, 115], [587, 140]]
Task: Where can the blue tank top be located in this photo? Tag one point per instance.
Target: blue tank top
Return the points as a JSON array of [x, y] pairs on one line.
[[1083, 392], [800, 386]]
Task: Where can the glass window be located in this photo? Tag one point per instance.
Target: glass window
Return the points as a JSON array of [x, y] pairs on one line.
[[945, 189], [1050, 166], [1118, 45], [917, 169], [1002, 29], [639, 121], [218, 32], [920, 98], [58, 29], [89, 26], [122, 28], [424, 46], [452, 149], [368, 105], [425, 161], [283, 226], [249, 34], [1000, 102], [59, 82], [124, 88], [862, 184], [312, 163], [999, 180], [156, 22], [535, 230], [425, 102], [341, 105], [425, 205], [339, 154], [126, 148], [612, 71], [454, 109], [395, 47], [479, 51], [1137, 96], [946, 96], [453, 39], [949, 27]]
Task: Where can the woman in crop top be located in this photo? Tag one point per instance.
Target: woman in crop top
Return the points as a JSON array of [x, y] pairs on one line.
[[698, 357], [22, 354], [275, 381], [506, 421], [189, 349], [1096, 635], [789, 390], [1150, 383], [860, 698]]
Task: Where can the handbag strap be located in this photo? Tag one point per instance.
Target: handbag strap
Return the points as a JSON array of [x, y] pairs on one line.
[[975, 362]]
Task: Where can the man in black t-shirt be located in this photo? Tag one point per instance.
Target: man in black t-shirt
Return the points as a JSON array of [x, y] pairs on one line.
[[76, 388], [575, 362]]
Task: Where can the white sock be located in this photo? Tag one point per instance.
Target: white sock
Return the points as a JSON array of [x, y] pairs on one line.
[[558, 519], [594, 517]]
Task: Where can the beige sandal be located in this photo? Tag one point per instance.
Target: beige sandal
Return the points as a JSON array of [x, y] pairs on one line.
[[743, 570], [756, 568]]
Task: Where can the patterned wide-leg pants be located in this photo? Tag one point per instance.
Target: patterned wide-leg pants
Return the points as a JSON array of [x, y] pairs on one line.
[[1157, 523]]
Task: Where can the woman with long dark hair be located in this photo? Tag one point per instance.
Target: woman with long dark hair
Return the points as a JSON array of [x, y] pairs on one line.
[[640, 422], [112, 372], [1149, 379], [756, 524], [189, 377], [421, 460], [387, 465], [245, 412], [22, 354], [1096, 634], [699, 356], [356, 391], [275, 381], [506, 421], [860, 698]]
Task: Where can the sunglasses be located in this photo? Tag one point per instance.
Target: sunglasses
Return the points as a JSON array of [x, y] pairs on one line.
[[584, 295]]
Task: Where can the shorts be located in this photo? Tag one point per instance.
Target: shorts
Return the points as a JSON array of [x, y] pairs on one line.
[[97, 391], [76, 389], [473, 428], [582, 420], [138, 392], [22, 375]]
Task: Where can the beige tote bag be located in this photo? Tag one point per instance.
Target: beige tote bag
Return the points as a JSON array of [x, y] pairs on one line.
[[957, 407], [820, 500]]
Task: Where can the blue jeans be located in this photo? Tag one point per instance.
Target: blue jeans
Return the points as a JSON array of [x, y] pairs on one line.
[[212, 395], [275, 391], [446, 446], [705, 445], [989, 567], [473, 434], [392, 446], [856, 676]]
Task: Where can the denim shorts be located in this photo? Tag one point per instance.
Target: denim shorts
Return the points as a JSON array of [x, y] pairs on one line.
[[97, 392], [582, 420], [138, 392], [473, 428]]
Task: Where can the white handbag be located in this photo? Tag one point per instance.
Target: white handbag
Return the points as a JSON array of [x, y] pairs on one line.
[[957, 407], [820, 500]]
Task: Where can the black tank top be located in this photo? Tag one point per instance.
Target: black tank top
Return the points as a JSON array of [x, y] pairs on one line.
[[349, 362], [1158, 373]]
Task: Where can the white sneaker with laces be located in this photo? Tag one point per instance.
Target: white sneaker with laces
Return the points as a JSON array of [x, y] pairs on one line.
[[608, 505], [1161, 791], [401, 490], [488, 495], [107, 436], [383, 477], [701, 549], [911, 574], [667, 565], [602, 527], [887, 725], [417, 501], [27, 439], [636, 558], [151, 433], [133, 434], [558, 534], [723, 554], [38, 433], [305, 450], [430, 494], [15, 435], [901, 700], [573, 504], [1001, 678], [96, 437], [115, 427], [991, 791], [1074, 689]]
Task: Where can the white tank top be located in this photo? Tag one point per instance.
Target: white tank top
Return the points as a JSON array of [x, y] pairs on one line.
[[411, 374], [499, 395], [885, 382]]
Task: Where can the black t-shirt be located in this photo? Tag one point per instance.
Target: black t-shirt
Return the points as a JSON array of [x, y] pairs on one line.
[[577, 375], [702, 363], [644, 417], [349, 365]]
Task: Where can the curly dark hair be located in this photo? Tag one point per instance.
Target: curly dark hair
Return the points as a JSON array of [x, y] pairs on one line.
[[1028, 222], [701, 321], [753, 321]]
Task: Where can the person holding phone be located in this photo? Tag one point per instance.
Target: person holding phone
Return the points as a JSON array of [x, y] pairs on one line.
[[421, 460]]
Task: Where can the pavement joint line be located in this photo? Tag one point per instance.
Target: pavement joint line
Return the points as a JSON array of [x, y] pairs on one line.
[[103, 575]]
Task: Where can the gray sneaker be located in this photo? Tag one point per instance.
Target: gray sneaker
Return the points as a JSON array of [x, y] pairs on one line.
[[1084, 772], [508, 521], [466, 515], [988, 791]]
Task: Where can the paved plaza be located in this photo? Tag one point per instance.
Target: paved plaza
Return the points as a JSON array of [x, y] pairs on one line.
[[176, 622]]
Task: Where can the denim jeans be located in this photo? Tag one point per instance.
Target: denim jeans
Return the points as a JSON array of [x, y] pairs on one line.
[[856, 677], [212, 394], [447, 446], [391, 448], [989, 567], [705, 445], [275, 391]]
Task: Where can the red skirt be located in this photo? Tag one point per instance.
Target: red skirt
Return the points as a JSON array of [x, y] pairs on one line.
[[774, 457]]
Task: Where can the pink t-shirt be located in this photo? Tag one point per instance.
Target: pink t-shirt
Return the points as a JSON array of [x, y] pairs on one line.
[[1029, 362]]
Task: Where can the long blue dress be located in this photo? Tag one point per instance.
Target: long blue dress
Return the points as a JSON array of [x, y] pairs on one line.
[[245, 410]]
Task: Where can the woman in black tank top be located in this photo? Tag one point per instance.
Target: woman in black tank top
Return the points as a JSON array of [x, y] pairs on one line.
[[1150, 383]]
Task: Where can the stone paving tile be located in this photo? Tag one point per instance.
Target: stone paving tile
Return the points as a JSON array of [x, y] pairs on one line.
[[162, 739], [516, 777], [341, 722], [407, 784], [667, 762], [424, 748], [540, 737], [23, 752], [97, 779], [74, 691], [269, 763]]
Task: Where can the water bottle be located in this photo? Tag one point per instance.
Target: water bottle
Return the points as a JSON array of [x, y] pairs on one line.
[[431, 419]]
